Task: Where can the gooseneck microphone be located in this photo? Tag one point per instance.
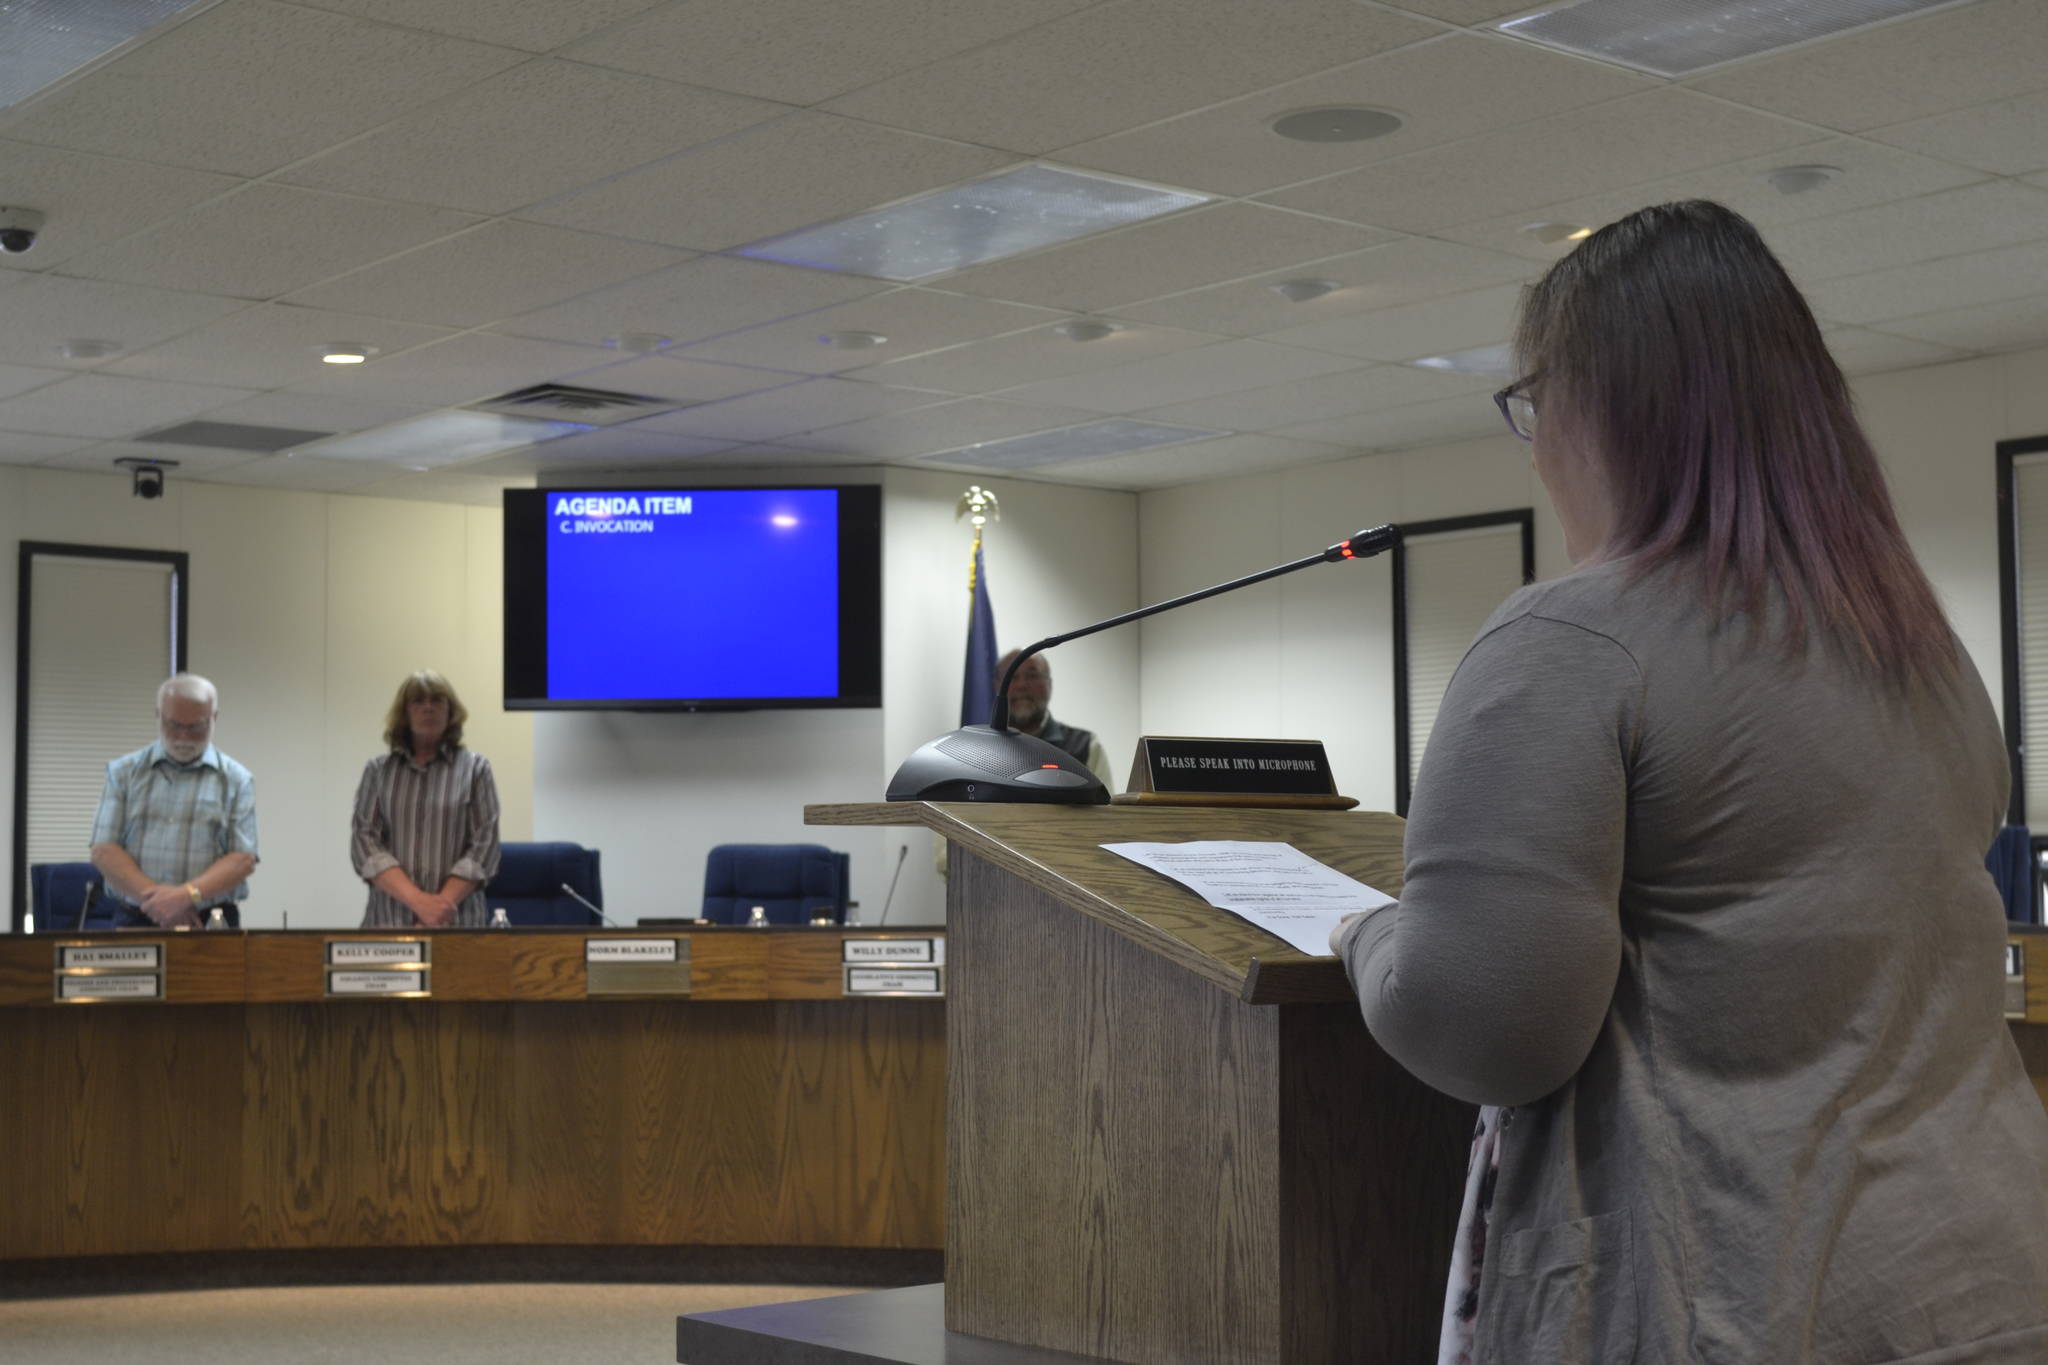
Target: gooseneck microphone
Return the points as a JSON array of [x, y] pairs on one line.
[[890, 899], [92, 891], [589, 905], [995, 763]]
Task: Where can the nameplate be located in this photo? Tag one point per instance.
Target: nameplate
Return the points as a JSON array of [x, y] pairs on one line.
[[364, 952], [893, 950], [141, 957], [111, 986], [629, 950], [376, 983], [1239, 767], [2015, 981], [895, 981]]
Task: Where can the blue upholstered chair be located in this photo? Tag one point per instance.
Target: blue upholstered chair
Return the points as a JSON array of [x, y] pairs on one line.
[[794, 881], [56, 890], [528, 887]]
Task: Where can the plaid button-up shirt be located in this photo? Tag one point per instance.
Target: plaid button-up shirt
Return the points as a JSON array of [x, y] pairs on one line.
[[178, 819]]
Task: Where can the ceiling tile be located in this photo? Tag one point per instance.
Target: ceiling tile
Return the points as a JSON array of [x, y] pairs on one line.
[[914, 320], [683, 378], [315, 412], [307, 473], [1022, 357], [45, 310], [248, 87], [1985, 327], [20, 447], [1181, 376], [1860, 351], [698, 299], [191, 461], [1870, 175], [792, 409], [621, 447], [108, 406], [1975, 218], [1226, 457], [1901, 71], [524, 135], [91, 200], [1446, 419], [1115, 65], [1444, 90], [1579, 152], [265, 240], [1928, 286], [1404, 271], [462, 369], [266, 347], [499, 270], [800, 170], [2009, 137], [1181, 252], [476, 490], [765, 456], [21, 378], [1413, 330], [803, 52], [1463, 11], [946, 426], [1319, 399], [530, 25]]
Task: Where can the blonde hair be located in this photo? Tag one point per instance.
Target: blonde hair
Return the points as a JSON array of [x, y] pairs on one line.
[[424, 685]]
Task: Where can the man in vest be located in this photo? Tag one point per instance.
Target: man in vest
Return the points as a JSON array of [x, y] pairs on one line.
[[1030, 696]]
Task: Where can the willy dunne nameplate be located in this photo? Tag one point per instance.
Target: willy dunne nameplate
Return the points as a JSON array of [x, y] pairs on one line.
[[636, 966], [895, 980], [895, 950]]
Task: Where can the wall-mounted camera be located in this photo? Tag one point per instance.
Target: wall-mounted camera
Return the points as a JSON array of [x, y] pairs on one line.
[[19, 229], [146, 476]]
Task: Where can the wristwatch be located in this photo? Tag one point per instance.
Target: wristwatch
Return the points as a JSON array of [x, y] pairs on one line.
[[192, 890]]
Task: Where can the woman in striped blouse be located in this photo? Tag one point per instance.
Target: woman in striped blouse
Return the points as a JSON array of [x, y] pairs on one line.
[[425, 832]]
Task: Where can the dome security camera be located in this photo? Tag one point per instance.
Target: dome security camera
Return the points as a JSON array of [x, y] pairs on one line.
[[19, 229]]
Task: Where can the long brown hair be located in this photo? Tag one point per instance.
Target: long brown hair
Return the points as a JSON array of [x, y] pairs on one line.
[[1688, 363], [425, 685]]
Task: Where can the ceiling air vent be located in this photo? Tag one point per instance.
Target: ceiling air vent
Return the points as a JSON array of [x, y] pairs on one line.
[[567, 403]]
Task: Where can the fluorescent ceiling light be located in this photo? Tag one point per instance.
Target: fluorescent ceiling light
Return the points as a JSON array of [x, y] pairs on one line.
[[43, 41], [1497, 360], [1680, 37], [441, 438], [1089, 441], [983, 220]]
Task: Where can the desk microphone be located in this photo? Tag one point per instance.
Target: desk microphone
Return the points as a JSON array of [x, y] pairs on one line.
[[901, 854], [992, 762], [92, 889], [570, 892]]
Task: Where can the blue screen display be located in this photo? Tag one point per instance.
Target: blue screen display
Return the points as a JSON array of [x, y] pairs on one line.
[[711, 593]]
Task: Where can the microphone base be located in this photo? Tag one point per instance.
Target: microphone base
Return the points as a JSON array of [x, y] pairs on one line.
[[980, 763]]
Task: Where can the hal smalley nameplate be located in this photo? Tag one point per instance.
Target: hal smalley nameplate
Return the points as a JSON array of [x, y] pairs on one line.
[[931, 950], [363, 952], [111, 986], [134, 957], [636, 966], [377, 981], [895, 981]]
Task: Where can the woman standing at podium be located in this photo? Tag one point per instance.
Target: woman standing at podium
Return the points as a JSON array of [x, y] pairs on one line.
[[425, 831], [1696, 901]]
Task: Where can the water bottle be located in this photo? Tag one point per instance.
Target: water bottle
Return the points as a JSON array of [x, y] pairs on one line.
[[499, 919], [852, 913], [216, 918], [757, 918]]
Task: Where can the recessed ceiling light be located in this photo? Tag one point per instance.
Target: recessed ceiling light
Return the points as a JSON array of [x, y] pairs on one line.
[[88, 348], [971, 224], [346, 352], [1087, 329], [1497, 360], [639, 343], [1681, 37], [1555, 234], [1800, 179], [1302, 290], [853, 340], [1337, 123]]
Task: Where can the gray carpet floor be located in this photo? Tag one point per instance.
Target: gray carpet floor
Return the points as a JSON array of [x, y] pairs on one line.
[[498, 1324]]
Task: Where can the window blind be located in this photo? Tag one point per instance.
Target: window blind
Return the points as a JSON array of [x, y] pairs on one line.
[[99, 644], [1455, 580], [2030, 542]]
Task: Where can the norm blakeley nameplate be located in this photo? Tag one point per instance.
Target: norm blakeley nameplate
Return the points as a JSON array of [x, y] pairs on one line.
[[363, 952], [629, 950], [134, 957], [1253, 767]]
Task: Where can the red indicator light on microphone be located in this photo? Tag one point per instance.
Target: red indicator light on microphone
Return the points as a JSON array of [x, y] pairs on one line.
[[1049, 765], [1346, 548]]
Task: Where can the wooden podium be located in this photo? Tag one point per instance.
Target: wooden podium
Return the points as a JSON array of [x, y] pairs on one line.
[[1169, 1138]]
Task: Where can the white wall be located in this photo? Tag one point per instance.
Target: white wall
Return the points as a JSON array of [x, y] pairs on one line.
[[655, 792], [1310, 655], [306, 610]]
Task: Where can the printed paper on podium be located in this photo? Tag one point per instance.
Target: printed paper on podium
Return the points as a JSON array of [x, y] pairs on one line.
[[1274, 886]]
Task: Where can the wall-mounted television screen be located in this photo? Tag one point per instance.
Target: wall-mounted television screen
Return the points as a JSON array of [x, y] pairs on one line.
[[692, 599]]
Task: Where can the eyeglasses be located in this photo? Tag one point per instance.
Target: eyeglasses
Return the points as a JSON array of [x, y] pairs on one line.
[[199, 729], [1517, 408]]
